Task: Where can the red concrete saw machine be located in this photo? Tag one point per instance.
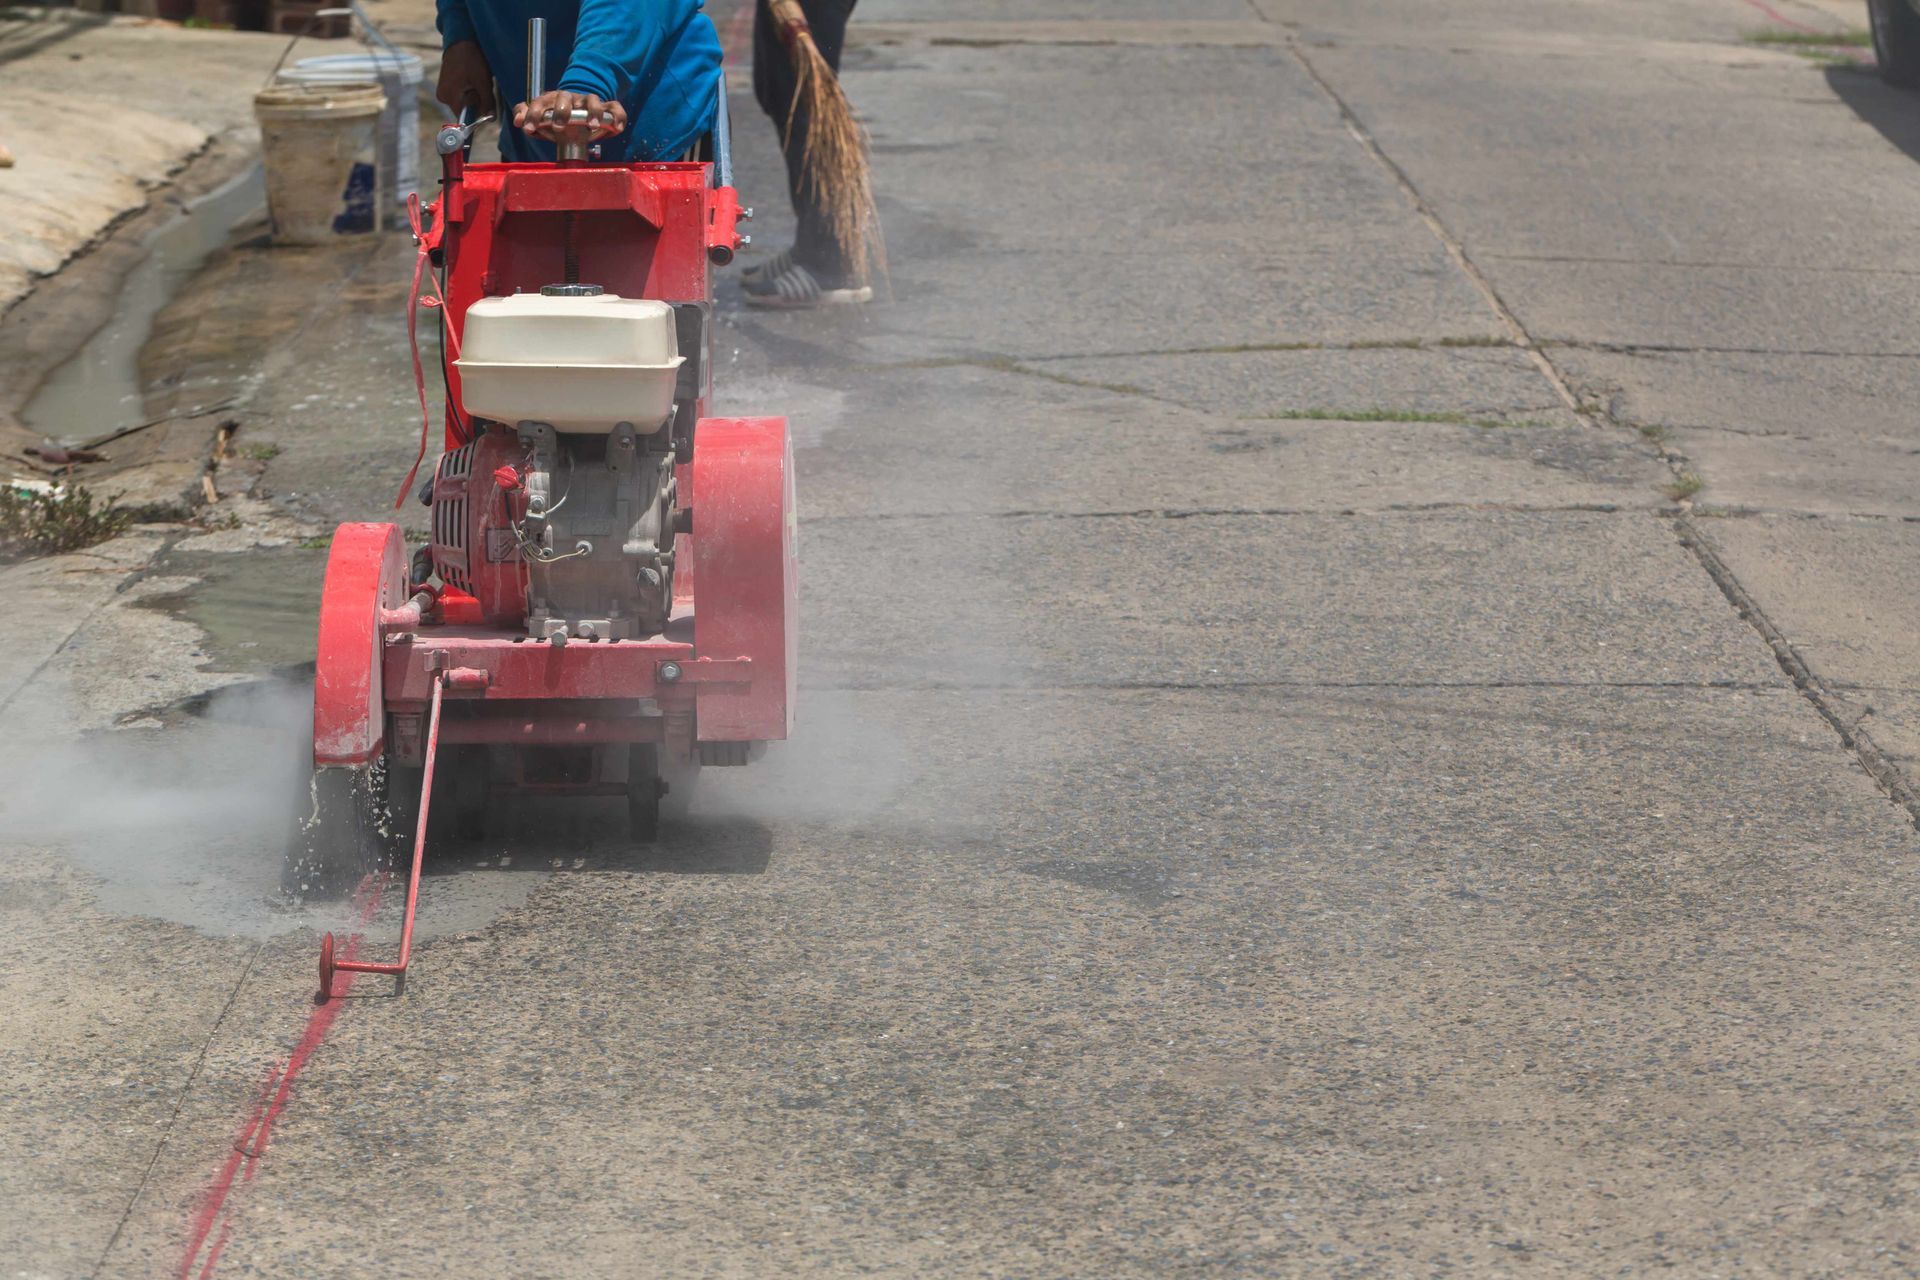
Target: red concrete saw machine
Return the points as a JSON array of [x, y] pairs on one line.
[[606, 602]]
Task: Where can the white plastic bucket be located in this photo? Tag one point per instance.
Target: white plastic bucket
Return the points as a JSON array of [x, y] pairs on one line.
[[318, 145], [400, 74]]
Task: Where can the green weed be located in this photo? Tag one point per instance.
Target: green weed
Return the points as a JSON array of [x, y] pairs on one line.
[[1854, 38], [41, 524], [1684, 486]]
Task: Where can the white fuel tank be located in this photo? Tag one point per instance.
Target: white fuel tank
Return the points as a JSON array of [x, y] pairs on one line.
[[584, 362]]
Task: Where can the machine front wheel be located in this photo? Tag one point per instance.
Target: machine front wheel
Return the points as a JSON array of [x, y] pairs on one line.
[[1896, 41]]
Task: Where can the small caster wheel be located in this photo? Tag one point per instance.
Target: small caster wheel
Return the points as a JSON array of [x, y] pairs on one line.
[[326, 970]]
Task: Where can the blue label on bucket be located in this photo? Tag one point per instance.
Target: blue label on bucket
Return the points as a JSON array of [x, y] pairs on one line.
[[356, 200]]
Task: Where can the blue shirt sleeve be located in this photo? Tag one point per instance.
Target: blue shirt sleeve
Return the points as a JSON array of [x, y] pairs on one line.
[[455, 23], [619, 42]]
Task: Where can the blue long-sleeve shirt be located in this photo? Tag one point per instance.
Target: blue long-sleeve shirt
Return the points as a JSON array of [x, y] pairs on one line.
[[660, 58]]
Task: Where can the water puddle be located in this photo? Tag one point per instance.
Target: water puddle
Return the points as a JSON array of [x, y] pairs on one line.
[[258, 610], [99, 389]]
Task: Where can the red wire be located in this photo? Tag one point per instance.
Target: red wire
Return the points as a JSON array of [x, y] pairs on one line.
[[415, 301]]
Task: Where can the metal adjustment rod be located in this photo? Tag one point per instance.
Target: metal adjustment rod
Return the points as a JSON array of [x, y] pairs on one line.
[[460, 678], [536, 57], [570, 150], [567, 150]]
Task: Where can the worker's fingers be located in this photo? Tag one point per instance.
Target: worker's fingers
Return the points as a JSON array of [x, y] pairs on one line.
[[550, 116], [452, 88], [529, 114], [606, 117], [546, 116], [465, 80]]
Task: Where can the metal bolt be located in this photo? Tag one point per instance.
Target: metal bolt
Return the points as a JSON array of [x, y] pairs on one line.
[[669, 672]]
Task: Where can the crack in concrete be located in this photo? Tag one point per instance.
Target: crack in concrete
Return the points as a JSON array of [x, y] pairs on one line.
[[1193, 513], [1229, 686], [1578, 259], [134, 574], [179, 1105], [1024, 367], [1450, 343], [1686, 349], [1747, 432], [1455, 249], [1871, 757], [1878, 765], [1705, 511]]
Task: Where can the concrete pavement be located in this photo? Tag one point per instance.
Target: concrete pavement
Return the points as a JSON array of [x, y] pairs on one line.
[[1285, 787]]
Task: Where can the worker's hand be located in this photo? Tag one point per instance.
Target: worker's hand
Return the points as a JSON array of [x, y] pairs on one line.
[[548, 116], [465, 79]]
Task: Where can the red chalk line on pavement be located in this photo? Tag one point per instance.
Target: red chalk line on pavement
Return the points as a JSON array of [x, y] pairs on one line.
[[1783, 19], [276, 1087]]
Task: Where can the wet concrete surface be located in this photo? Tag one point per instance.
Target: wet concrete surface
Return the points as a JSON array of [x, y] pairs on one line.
[[1216, 842], [258, 610]]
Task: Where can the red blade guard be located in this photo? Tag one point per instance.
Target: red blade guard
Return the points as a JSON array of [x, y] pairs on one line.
[[366, 572], [745, 574]]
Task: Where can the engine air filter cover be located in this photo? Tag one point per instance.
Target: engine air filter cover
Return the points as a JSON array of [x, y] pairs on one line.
[[583, 363]]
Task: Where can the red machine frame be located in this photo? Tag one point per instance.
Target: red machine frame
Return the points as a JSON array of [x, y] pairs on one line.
[[396, 656]]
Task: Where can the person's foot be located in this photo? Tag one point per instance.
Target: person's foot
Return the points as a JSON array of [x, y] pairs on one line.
[[6, 158], [794, 288], [777, 263]]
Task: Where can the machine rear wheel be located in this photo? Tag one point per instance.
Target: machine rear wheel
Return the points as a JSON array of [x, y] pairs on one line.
[[461, 782], [470, 784], [643, 793]]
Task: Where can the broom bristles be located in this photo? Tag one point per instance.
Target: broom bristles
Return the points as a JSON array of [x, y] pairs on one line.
[[834, 161]]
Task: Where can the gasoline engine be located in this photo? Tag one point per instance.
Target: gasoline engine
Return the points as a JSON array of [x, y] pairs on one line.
[[560, 514]]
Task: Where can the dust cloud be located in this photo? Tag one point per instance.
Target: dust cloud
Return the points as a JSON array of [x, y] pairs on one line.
[[185, 820]]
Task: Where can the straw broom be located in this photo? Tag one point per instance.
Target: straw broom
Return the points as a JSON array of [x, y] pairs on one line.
[[835, 159]]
